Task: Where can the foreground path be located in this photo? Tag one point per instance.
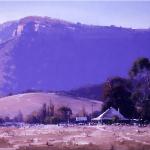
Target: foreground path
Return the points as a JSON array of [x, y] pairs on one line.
[[53, 137]]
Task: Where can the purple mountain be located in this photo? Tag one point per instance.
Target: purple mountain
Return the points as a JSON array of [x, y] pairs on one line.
[[50, 54]]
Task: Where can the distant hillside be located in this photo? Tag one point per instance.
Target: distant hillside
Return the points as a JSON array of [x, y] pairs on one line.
[[90, 91], [29, 102], [42, 53]]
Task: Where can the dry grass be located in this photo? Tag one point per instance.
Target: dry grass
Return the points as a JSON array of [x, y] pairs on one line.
[[4, 143], [60, 147], [116, 146], [131, 145], [76, 138]]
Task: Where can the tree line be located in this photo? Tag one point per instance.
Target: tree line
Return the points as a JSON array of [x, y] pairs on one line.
[[130, 95]]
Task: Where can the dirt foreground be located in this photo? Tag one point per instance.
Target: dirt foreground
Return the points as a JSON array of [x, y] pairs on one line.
[[53, 137]]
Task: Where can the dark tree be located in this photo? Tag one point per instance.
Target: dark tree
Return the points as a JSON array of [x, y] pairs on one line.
[[146, 110], [117, 93], [65, 113], [139, 66], [140, 78], [42, 113]]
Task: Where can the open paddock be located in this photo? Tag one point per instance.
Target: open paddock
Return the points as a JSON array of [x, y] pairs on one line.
[[53, 137]]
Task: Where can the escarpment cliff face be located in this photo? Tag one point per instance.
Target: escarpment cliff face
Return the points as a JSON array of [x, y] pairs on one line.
[[50, 54]]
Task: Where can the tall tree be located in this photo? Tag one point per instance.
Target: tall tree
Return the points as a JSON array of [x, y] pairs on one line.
[[117, 92], [42, 114], [140, 77]]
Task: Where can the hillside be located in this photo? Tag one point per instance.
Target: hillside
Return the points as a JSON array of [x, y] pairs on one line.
[[29, 102], [42, 53], [89, 91]]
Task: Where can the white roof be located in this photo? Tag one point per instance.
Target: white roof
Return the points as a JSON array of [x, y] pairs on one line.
[[109, 114]]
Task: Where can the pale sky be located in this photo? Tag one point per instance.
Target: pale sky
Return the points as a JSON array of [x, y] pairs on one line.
[[126, 14]]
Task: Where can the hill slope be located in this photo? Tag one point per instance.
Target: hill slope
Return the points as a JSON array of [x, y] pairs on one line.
[[89, 91], [50, 54], [29, 102]]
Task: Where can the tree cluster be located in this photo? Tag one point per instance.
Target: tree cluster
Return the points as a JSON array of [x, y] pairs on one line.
[[132, 95], [48, 115]]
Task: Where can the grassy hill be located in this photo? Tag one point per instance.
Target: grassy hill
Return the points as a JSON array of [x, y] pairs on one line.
[[29, 102]]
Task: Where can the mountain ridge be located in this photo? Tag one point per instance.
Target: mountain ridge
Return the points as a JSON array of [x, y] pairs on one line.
[[47, 55], [39, 19]]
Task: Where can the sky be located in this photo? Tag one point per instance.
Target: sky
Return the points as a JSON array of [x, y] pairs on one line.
[[132, 14]]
